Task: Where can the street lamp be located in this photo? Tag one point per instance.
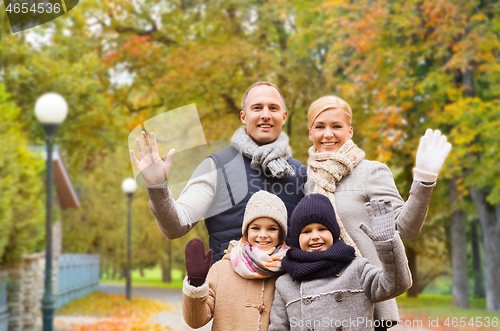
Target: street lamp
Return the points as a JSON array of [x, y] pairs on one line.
[[128, 186], [50, 110]]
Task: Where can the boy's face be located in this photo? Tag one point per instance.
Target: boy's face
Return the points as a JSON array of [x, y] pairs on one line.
[[263, 233], [315, 237]]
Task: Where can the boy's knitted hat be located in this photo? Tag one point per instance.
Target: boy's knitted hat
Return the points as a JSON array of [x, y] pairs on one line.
[[313, 208], [265, 204], [306, 265]]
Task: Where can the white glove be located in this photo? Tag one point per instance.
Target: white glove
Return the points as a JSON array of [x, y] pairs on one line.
[[152, 168], [432, 151]]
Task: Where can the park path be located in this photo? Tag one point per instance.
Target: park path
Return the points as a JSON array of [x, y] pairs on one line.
[[173, 297], [172, 318]]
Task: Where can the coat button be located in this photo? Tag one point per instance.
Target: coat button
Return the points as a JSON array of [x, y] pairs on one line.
[[338, 274], [309, 329], [307, 301], [225, 251], [340, 328], [338, 297]]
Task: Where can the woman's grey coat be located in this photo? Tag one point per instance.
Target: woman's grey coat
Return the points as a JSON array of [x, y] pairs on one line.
[[373, 180]]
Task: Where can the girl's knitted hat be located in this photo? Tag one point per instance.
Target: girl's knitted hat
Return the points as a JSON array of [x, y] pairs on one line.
[[265, 204], [313, 208]]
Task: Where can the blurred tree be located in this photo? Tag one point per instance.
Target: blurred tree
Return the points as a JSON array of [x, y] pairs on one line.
[[407, 62], [477, 265], [377, 63], [99, 225], [64, 57], [22, 216], [402, 65], [209, 53], [476, 146]]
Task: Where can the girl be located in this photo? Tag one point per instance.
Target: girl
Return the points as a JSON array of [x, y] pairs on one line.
[[326, 287], [239, 289]]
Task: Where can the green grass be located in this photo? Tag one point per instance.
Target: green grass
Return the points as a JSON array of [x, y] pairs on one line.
[[152, 279], [429, 307], [440, 285], [433, 300]]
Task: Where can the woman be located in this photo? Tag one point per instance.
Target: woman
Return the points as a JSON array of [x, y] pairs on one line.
[[337, 169]]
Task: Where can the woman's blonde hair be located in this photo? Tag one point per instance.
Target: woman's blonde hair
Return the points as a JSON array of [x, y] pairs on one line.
[[326, 103]]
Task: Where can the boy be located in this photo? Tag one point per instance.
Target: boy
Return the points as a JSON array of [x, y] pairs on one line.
[[326, 287]]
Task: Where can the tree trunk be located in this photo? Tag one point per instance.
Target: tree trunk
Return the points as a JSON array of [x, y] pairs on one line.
[[476, 262], [489, 217], [412, 263], [165, 272], [123, 274], [166, 265], [458, 226]]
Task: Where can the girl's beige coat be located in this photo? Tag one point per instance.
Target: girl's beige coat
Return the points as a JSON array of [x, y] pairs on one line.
[[231, 300]]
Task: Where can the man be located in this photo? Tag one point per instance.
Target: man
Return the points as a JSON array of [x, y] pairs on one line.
[[258, 159]]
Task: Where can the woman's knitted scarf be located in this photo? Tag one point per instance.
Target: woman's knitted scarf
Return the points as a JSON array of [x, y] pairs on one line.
[[327, 169], [302, 265], [252, 263], [270, 157]]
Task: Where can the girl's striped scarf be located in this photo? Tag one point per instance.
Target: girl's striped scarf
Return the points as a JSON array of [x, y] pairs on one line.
[[327, 169], [252, 263]]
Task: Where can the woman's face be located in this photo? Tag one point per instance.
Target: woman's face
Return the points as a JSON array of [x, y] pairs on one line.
[[263, 233], [330, 131]]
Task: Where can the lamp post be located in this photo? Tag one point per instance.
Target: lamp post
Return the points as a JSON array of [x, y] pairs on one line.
[[128, 186], [51, 110]]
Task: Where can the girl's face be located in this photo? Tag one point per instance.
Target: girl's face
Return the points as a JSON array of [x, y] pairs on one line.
[[263, 233], [330, 131], [315, 237]]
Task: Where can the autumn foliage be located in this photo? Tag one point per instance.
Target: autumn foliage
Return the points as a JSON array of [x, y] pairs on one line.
[[114, 312]]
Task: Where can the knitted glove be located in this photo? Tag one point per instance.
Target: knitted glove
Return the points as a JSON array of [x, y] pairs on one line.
[[431, 153], [197, 264], [151, 166], [382, 219]]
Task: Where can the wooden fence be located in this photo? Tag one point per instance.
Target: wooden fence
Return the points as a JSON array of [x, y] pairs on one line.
[[78, 275], [4, 308], [22, 287]]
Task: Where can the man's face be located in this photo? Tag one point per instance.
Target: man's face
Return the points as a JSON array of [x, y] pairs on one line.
[[263, 115]]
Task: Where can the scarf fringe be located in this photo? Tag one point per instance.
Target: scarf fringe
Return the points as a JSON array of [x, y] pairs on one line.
[[252, 263], [327, 169], [270, 157]]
